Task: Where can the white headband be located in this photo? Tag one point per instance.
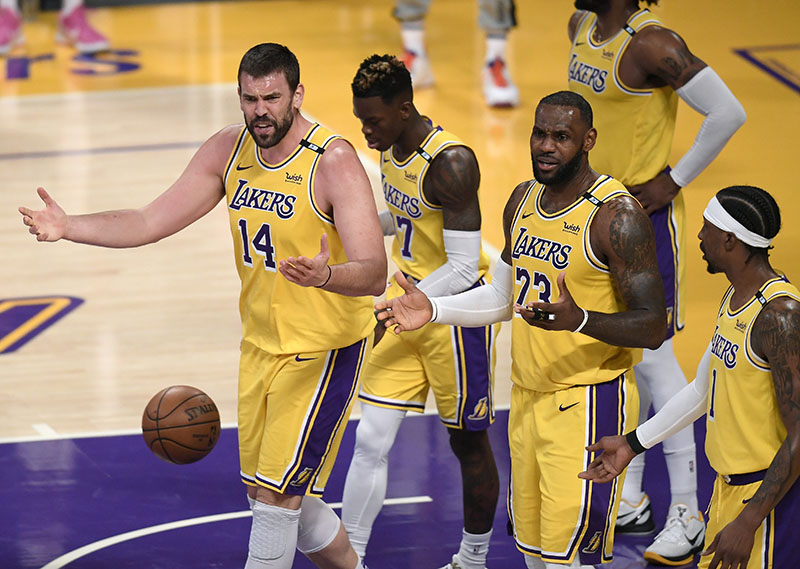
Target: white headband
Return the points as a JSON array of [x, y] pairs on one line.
[[720, 218]]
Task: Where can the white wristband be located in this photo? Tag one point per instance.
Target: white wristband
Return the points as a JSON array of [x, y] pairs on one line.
[[435, 310], [583, 323]]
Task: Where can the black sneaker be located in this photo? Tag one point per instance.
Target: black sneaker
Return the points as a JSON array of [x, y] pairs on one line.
[[635, 518]]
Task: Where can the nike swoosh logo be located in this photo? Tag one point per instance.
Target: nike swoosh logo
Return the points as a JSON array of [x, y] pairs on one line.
[[297, 358], [577, 43], [746, 500], [562, 408], [240, 167], [526, 215]]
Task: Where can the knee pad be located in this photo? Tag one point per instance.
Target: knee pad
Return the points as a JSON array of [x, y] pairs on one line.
[[318, 526], [273, 533]]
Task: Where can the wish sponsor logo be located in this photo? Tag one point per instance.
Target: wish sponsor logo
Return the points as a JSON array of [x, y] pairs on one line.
[[410, 176], [608, 54], [553, 252], [264, 200], [573, 228], [294, 178], [741, 326]]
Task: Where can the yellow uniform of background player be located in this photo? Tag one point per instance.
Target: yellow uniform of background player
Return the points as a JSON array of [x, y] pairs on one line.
[[455, 362]]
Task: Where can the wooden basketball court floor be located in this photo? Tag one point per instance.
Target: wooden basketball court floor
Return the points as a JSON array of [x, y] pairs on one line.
[[88, 335]]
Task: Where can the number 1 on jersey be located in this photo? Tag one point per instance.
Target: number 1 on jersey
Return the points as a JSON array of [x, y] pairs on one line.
[[261, 243]]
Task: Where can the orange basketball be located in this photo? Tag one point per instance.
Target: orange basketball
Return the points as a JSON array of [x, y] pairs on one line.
[[180, 424]]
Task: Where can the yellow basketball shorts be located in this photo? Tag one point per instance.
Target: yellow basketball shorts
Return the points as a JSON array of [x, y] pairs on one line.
[[775, 545], [456, 363], [554, 514], [293, 410]]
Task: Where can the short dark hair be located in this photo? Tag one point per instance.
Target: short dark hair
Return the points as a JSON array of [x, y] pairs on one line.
[[754, 208], [265, 58], [382, 76], [571, 99]]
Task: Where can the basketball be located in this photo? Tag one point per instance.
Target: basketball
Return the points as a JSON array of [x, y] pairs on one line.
[[180, 424]]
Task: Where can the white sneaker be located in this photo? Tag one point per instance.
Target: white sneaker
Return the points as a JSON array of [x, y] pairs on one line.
[[498, 89], [635, 519], [454, 564], [681, 538], [420, 68]]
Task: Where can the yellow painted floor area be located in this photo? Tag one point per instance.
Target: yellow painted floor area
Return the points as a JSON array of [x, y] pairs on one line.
[[115, 130]]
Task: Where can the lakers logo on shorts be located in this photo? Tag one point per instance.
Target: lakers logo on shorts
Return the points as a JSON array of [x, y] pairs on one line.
[[594, 543], [480, 410], [302, 478]]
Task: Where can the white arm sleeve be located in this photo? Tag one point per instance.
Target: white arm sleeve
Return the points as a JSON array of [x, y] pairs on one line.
[[707, 94], [463, 249], [480, 306], [387, 222], [683, 409]]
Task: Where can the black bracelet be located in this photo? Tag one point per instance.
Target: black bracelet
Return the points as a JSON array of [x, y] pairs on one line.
[[634, 443], [330, 272]]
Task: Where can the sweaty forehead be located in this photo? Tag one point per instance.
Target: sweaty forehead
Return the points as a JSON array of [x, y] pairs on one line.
[[557, 116], [265, 84]]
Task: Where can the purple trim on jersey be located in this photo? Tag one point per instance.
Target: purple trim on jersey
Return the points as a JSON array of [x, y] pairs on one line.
[[608, 400], [786, 514], [332, 411], [667, 262], [477, 411]]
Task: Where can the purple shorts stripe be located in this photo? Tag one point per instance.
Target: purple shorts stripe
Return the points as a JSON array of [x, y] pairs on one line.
[[476, 409], [785, 516], [609, 418], [330, 412], [666, 251]]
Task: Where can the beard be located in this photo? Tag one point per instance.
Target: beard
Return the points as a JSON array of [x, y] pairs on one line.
[[599, 7], [710, 267], [279, 129], [562, 174]]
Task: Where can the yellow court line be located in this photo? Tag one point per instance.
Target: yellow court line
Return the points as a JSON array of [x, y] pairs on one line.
[[56, 305]]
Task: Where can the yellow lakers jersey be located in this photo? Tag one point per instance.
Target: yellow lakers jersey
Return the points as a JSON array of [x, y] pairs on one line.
[[418, 247], [544, 245], [744, 428], [634, 126], [273, 215]]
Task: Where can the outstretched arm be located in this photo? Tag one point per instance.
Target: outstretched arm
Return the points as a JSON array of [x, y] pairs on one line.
[[683, 409], [776, 338], [195, 193], [663, 58]]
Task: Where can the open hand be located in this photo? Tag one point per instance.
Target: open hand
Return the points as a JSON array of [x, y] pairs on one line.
[[48, 224], [410, 311], [308, 272]]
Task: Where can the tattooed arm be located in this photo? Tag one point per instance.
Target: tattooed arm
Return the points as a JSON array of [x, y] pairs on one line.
[[622, 236], [776, 338], [659, 57], [452, 182]]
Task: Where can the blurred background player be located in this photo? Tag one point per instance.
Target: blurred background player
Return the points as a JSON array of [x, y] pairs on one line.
[[73, 27], [496, 18], [632, 70], [430, 183], [747, 385]]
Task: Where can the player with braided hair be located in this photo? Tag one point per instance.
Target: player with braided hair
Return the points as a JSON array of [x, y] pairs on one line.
[[632, 69], [430, 183], [747, 385]]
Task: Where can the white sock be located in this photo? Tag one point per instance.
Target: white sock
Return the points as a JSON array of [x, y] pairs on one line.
[[682, 476], [665, 378], [365, 485], [68, 6], [495, 47], [632, 488], [413, 39], [474, 547], [532, 562], [273, 537], [10, 4]]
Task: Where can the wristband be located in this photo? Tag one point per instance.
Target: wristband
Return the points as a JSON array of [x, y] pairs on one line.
[[434, 312], [583, 323], [330, 272], [634, 443]]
